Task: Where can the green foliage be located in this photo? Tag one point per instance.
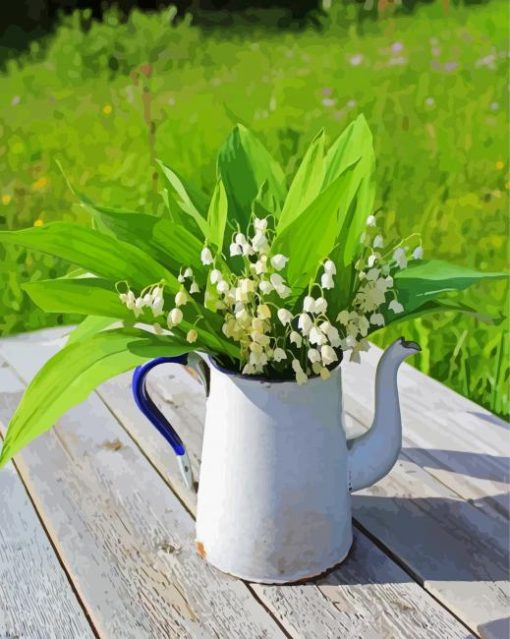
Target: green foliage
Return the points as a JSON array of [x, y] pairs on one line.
[[72, 374], [434, 96]]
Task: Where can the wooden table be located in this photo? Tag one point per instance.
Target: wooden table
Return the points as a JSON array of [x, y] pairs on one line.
[[96, 526]]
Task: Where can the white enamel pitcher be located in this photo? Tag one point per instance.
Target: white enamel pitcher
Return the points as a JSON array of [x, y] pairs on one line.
[[274, 501]]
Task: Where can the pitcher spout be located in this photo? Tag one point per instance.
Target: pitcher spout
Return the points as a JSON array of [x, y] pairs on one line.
[[373, 454]]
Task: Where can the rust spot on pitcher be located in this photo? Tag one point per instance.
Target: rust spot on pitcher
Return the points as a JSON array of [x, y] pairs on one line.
[[200, 549]]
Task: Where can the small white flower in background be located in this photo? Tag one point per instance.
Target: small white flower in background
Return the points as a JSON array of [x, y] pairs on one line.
[[181, 298], [316, 336], [329, 267], [373, 274], [223, 287], [327, 281], [372, 259], [215, 276], [305, 323], [332, 333], [301, 376], [147, 299], [363, 326], [309, 304], [328, 355], [265, 287], [259, 267], [377, 319], [371, 220], [181, 278], [396, 306], [284, 291], [240, 239], [174, 317], [295, 338], [343, 317], [188, 273], [313, 355], [194, 288], [235, 249], [279, 261], [260, 224], [321, 305], [378, 241], [157, 306], [191, 336], [263, 311], [418, 253], [399, 255], [279, 354], [259, 242], [206, 256], [277, 280], [284, 316]]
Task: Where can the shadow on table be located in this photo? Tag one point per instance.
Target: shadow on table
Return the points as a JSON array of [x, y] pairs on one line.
[[479, 465]]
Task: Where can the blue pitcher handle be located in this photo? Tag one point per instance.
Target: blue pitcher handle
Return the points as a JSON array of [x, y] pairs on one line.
[[156, 417]]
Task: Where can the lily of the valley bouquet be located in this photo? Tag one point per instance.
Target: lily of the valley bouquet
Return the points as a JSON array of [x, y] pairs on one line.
[[270, 280]]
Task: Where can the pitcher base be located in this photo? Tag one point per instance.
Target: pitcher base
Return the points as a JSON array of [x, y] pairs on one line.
[[289, 579]]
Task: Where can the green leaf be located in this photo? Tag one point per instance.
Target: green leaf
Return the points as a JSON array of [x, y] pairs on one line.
[[244, 164], [73, 373], [97, 253], [87, 296], [217, 216], [310, 238], [354, 146], [97, 297], [90, 326], [443, 305], [425, 280], [169, 243], [306, 184], [188, 198]]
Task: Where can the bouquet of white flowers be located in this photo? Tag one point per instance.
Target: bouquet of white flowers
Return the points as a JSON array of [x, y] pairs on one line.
[[271, 281]]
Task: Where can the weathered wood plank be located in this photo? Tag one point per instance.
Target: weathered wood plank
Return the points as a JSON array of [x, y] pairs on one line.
[[461, 444], [36, 598], [368, 596], [125, 539]]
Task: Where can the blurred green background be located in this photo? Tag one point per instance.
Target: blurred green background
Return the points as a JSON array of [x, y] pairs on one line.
[[106, 96]]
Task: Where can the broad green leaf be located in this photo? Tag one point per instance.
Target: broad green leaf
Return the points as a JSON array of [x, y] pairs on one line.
[[187, 197], [425, 280], [310, 238], [169, 243], [86, 296], [354, 146], [265, 203], [244, 164], [97, 297], [93, 251], [307, 182], [73, 373], [442, 305], [90, 326], [217, 215]]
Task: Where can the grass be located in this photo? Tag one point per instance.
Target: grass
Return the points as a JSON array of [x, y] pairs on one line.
[[433, 87]]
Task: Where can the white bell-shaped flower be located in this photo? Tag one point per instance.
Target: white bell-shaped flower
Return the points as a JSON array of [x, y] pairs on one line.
[[396, 306], [265, 287], [316, 336], [321, 305], [309, 304], [285, 316], [378, 241], [279, 261], [328, 355], [399, 255], [329, 267], [181, 298], [191, 336], [418, 253], [377, 319], [327, 281], [305, 323], [313, 355], [279, 354], [295, 338], [206, 256]]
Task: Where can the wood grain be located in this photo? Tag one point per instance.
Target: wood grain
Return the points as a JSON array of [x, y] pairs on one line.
[[462, 445], [367, 596], [36, 598], [124, 537]]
